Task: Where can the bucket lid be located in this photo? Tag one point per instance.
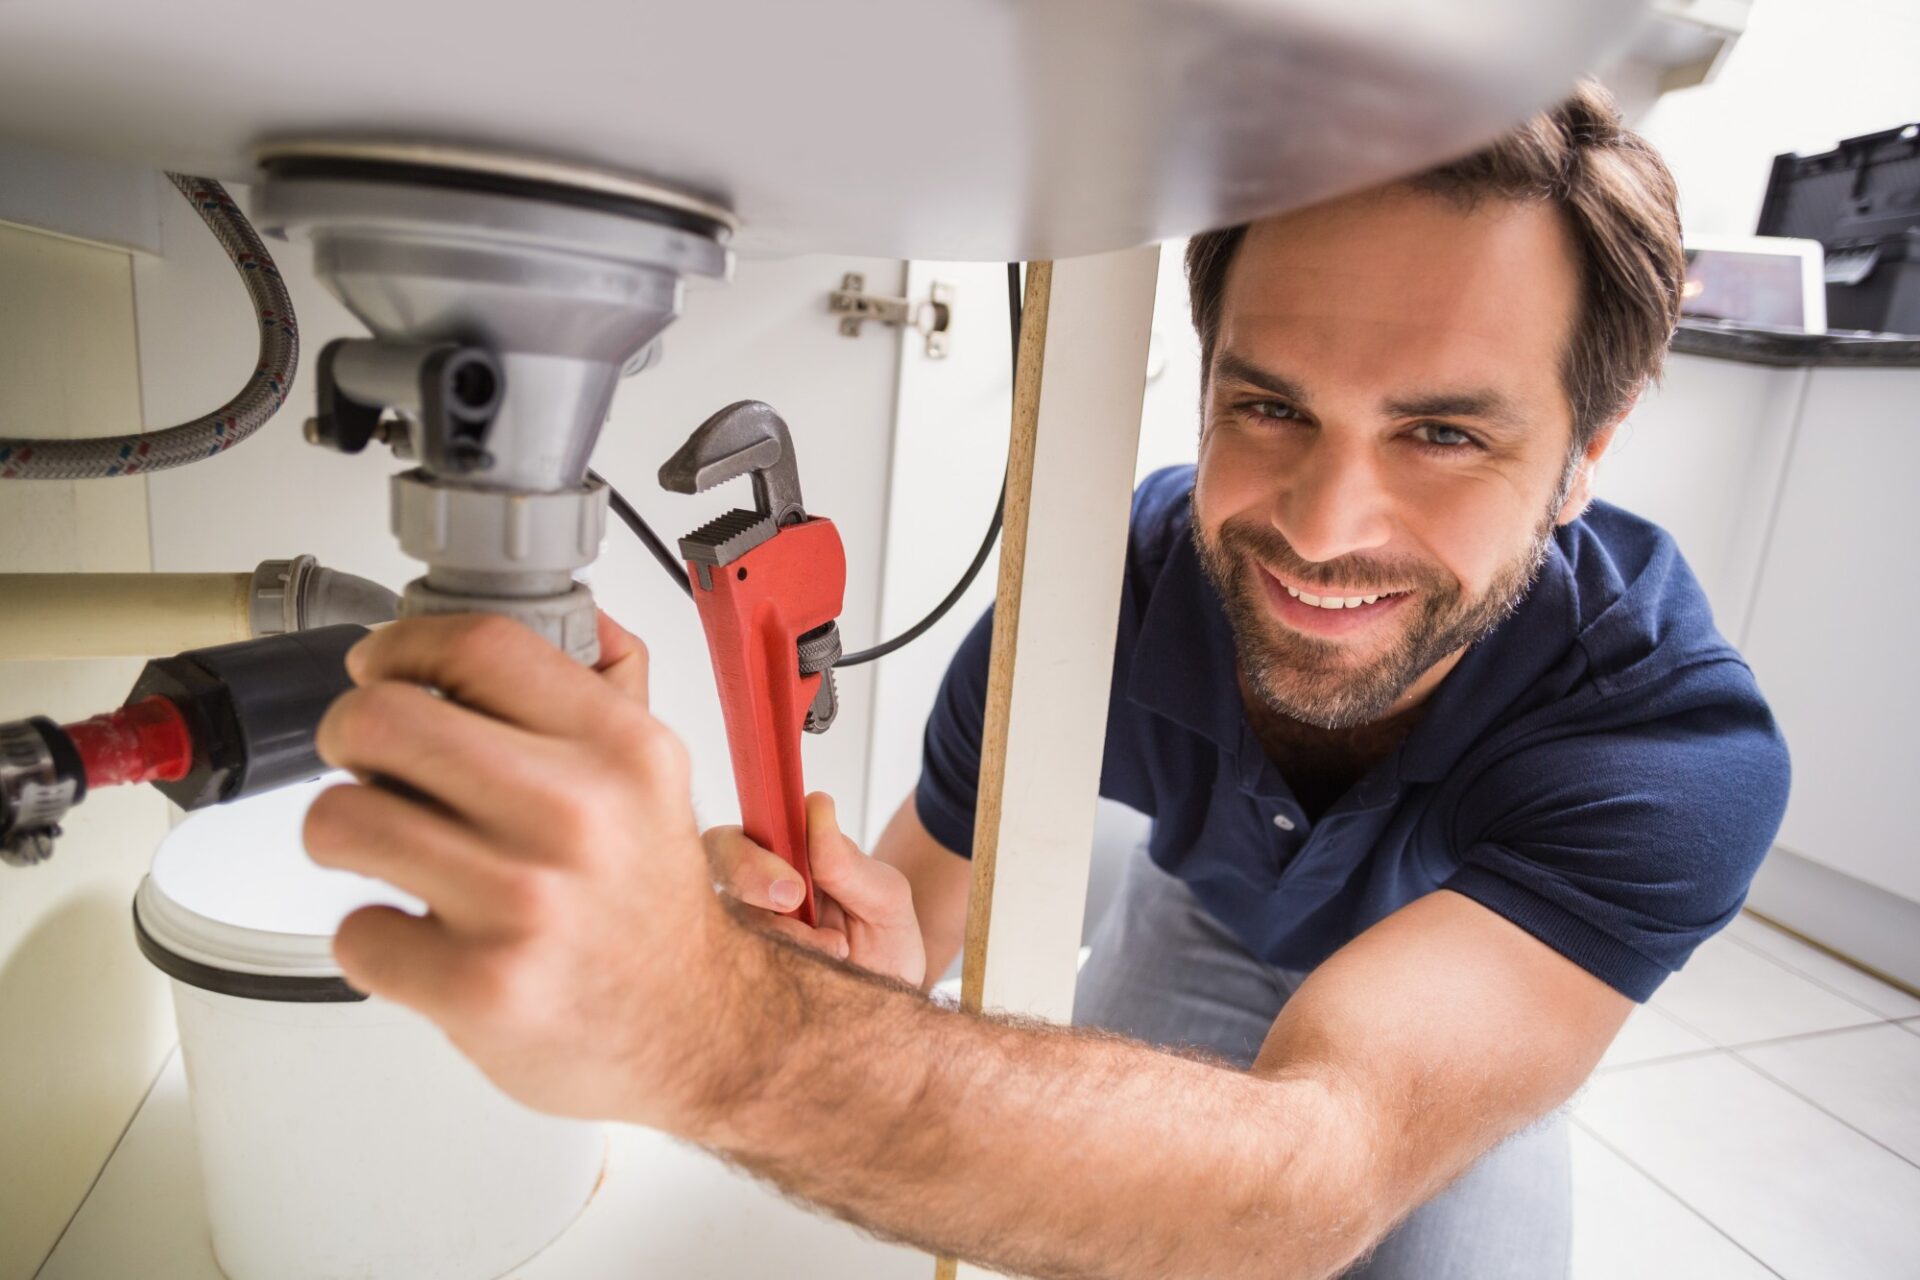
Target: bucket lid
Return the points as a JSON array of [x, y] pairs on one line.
[[234, 905]]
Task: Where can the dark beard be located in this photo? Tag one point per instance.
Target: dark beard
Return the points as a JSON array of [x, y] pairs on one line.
[[1312, 680]]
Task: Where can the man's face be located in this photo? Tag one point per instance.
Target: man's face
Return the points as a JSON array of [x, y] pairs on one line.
[[1386, 431]]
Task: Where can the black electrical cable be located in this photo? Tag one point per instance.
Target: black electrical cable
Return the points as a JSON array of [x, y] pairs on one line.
[[920, 628], [641, 530]]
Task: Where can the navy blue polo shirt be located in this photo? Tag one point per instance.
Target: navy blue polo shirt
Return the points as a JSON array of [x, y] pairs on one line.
[[1601, 770]]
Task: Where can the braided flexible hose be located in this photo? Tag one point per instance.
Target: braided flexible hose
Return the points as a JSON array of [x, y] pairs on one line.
[[232, 422]]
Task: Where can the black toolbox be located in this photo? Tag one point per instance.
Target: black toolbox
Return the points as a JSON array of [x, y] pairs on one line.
[[1862, 201]]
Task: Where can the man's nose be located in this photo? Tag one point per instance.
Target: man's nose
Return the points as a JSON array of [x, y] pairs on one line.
[[1334, 504]]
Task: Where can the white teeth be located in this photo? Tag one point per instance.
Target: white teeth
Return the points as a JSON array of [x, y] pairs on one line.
[[1330, 602]]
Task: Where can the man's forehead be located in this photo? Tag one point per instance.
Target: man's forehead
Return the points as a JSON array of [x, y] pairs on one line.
[[1398, 255], [1412, 294]]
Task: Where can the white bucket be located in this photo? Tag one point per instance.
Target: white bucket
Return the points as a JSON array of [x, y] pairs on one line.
[[339, 1136]]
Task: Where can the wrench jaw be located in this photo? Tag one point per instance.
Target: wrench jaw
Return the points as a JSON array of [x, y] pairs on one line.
[[747, 438]]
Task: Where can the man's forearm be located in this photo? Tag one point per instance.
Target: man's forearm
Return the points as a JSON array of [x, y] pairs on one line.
[[1034, 1148]]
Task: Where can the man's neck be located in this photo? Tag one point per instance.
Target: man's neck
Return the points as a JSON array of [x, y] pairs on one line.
[[1295, 745], [1321, 765]]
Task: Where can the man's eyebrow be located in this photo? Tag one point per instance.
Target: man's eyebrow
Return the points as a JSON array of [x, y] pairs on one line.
[[1488, 406], [1237, 368]]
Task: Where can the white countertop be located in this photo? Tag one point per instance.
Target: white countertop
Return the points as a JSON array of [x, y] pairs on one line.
[[665, 1209]]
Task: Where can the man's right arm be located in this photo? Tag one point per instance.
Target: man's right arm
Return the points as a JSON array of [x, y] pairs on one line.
[[940, 879]]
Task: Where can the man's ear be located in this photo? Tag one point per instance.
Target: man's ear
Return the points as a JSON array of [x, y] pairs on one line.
[[1580, 489]]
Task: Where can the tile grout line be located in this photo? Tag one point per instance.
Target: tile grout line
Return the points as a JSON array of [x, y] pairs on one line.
[[1669, 1192], [1668, 1013], [1831, 990], [1803, 1035], [101, 1172], [1764, 1074], [1681, 1056], [1873, 1020]]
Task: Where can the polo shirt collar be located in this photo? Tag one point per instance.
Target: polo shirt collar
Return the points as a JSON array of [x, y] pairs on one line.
[[1497, 672]]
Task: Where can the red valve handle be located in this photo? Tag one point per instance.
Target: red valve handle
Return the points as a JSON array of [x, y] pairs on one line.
[[755, 611]]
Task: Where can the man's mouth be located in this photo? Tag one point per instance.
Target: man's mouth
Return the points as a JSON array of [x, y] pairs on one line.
[[1335, 601], [1331, 611]]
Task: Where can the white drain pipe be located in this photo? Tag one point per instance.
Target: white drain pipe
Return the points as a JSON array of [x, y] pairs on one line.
[[53, 616]]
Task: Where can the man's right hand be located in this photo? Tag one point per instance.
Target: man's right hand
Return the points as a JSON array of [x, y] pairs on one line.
[[865, 906]]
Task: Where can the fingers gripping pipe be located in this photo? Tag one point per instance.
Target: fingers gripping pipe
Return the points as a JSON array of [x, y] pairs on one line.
[[134, 454]]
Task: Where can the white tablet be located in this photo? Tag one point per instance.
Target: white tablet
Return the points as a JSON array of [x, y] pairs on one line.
[[1760, 280]]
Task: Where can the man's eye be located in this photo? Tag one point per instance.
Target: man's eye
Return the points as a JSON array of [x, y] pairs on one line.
[[1270, 409], [1442, 436]]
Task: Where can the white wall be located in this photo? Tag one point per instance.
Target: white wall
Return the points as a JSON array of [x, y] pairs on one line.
[[84, 1021], [1802, 77]]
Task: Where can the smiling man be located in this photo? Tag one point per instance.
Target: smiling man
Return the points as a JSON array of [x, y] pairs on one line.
[[1446, 764], [1390, 684]]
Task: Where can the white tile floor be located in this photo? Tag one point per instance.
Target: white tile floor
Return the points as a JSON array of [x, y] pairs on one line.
[[1759, 1118]]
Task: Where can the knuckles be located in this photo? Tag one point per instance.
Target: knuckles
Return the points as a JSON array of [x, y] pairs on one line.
[[576, 821], [486, 641], [504, 987], [484, 988], [361, 717], [329, 824], [535, 901], [359, 948], [656, 754]]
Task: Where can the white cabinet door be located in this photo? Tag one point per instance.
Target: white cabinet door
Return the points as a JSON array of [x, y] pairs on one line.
[[1702, 456], [1833, 632]]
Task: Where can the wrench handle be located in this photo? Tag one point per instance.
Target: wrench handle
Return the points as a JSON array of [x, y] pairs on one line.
[[754, 610]]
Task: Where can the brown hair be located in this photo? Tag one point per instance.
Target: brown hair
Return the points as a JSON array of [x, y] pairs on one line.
[[1620, 205]]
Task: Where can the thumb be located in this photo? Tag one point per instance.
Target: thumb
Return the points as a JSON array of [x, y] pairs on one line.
[[840, 870], [623, 659]]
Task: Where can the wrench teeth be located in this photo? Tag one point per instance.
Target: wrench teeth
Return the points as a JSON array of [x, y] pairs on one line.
[[725, 539]]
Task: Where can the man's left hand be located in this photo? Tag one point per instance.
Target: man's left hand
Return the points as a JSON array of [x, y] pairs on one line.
[[573, 946]]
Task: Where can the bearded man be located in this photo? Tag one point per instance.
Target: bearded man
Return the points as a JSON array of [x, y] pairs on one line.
[[1446, 764]]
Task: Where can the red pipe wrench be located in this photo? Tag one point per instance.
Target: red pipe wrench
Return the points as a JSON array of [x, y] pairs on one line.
[[768, 583]]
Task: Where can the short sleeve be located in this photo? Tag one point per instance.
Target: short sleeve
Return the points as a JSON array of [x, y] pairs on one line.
[[1626, 846], [950, 753]]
